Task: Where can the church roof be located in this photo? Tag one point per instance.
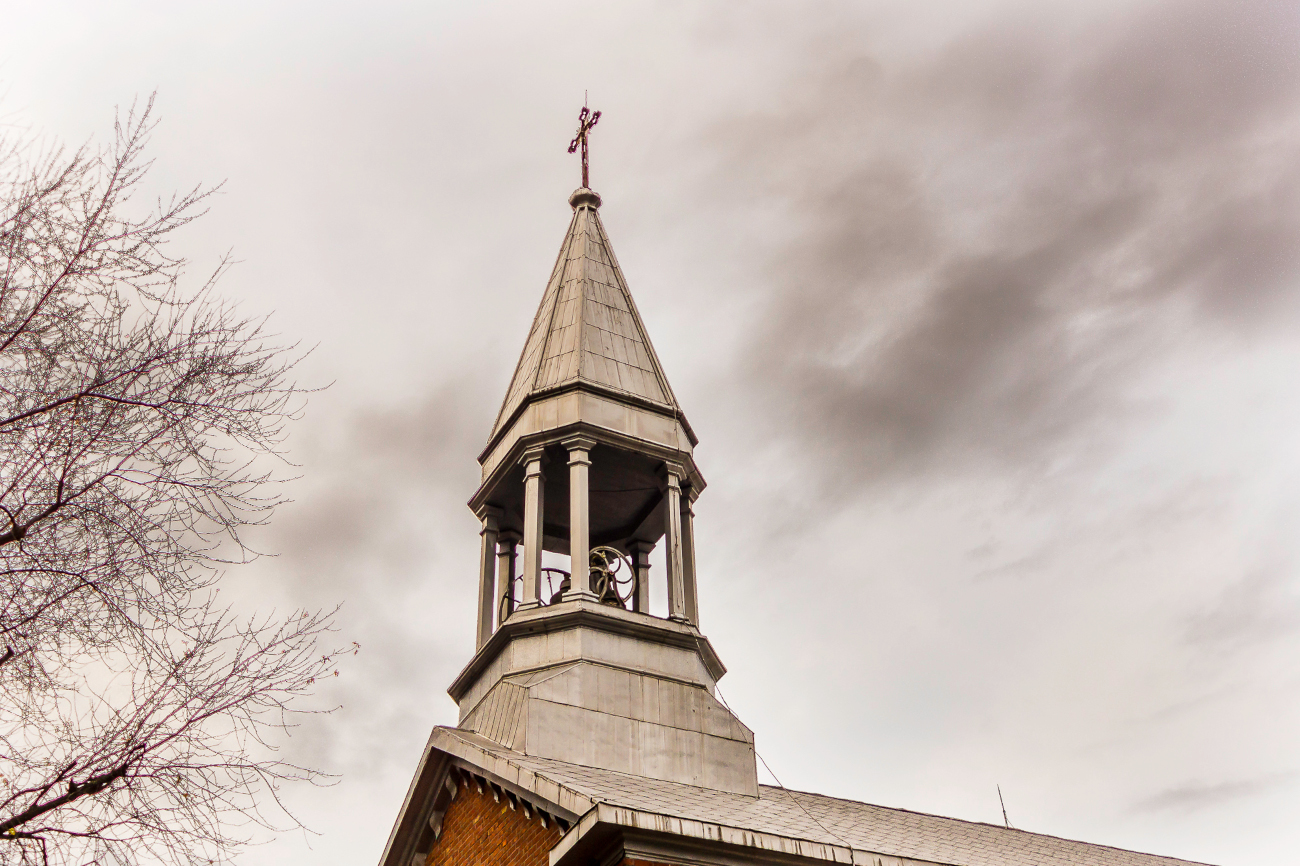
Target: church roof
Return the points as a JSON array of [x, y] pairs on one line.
[[587, 329], [778, 819]]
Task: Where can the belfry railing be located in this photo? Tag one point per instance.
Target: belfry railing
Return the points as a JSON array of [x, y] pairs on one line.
[[611, 578]]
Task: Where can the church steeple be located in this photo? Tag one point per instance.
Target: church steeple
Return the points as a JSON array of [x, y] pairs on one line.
[[591, 456]]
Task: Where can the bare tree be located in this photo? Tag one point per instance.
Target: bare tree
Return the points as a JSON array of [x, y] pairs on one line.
[[136, 424]]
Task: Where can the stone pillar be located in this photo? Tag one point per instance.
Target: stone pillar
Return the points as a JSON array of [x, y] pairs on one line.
[[672, 475], [639, 552], [691, 593], [506, 543], [579, 518], [534, 500], [491, 516]]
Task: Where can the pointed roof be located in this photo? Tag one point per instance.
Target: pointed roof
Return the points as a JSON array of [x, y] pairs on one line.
[[587, 329]]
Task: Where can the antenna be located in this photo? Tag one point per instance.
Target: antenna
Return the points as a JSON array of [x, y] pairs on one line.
[[1004, 809]]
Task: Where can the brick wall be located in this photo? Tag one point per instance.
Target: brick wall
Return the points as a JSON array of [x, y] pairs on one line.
[[477, 830]]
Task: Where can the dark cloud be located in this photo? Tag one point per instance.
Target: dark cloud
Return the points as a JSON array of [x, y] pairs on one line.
[[375, 483], [994, 240]]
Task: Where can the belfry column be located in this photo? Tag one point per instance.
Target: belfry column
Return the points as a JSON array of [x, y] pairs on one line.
[[579, 517], [640, 554], [672, 475], [491, 517], [534, 498], [691, 593], [506, 543]]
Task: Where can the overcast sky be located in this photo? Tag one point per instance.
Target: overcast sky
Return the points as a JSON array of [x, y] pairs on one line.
[[987, 315]]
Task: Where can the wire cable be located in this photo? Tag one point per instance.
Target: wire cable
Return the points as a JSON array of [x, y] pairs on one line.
[[782, 787]]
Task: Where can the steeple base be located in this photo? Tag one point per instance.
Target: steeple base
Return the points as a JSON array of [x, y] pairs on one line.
[[599, 686]]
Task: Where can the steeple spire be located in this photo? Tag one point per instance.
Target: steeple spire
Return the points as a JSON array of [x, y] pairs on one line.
[[587, 330]]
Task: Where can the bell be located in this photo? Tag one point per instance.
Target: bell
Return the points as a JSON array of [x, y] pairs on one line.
[[559, 593]]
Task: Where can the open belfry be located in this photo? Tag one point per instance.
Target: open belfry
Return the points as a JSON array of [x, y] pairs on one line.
[[590, 731]]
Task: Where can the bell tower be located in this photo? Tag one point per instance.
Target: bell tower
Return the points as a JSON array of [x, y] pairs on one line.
[[592, 457]]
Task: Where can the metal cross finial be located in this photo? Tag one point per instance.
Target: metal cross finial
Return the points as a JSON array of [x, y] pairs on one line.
[[586, 120]]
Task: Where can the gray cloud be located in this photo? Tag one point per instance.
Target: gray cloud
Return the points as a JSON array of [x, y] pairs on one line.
[[1195, 796], [380, 513], [387, 466], [1259, 607], [994, 239]]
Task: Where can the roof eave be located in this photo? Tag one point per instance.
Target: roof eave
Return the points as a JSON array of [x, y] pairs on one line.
[[664, 409], [571, 614], [605, 823]]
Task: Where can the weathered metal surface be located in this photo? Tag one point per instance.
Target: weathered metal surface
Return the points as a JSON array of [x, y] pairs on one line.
[[587, 329], [619, 720]]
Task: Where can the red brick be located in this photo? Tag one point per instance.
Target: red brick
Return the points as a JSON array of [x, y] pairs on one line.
[[477, 830]]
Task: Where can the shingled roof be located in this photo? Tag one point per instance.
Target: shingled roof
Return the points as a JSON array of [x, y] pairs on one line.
[[587, 329], [778, 819]]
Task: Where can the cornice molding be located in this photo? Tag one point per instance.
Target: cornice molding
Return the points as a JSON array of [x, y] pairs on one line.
[[601, 436], [580, 613]]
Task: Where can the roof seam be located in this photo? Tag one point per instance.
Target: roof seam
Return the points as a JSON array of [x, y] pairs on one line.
[[582, 293]]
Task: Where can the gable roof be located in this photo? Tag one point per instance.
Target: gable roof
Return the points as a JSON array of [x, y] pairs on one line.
[[587, 328], [778, 819]]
